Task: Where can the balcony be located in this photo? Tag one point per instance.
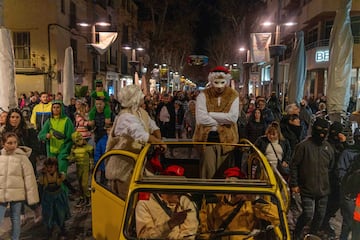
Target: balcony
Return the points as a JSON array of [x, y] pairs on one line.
[[28, 66]]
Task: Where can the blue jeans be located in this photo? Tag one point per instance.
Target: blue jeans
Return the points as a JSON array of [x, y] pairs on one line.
[[347, 206], [15, 209], [314, 210]]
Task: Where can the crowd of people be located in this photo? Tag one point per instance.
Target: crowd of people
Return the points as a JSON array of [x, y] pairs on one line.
[[310, 152]]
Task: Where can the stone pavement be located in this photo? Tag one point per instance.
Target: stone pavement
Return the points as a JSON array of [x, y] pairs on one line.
[[78, 227]]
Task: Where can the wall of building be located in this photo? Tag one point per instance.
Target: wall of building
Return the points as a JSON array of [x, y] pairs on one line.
[[27, 83]]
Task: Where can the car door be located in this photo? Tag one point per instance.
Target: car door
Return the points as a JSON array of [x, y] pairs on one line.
[[108, 197]]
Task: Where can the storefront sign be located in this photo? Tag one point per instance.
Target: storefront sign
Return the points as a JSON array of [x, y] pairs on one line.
[[321, 56]]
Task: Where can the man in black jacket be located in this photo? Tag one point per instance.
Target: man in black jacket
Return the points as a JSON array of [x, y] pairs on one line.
[[309, 169]]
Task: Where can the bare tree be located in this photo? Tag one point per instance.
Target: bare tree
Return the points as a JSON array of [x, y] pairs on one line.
[[237, 18], [171, 35]]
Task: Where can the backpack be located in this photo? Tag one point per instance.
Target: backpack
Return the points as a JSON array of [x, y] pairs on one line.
[[350, 183]]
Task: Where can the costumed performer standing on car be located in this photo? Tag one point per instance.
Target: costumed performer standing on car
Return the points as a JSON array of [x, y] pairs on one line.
[[217, 111], [132, 129]]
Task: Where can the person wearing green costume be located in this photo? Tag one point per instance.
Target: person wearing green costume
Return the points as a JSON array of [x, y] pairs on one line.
[[100, 93], [56, 132]]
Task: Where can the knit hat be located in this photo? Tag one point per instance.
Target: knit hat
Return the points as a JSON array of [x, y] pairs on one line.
[[98, 82], [219, 72], [319, 130], [336, 128], [130, 96], [174, 170], [234, 172]]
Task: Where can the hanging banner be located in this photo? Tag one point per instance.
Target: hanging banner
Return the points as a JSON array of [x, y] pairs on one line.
[[197, 60], [8, 97], [164, 73], [68, 77], [259, 47], [105, 41]]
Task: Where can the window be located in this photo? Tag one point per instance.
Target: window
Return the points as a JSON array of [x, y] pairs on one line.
[[355, 28], [21, 45], [112, 55], [62, 3], [328, 26], [72, 15], [124, 64], [312, 36], [125, 34]]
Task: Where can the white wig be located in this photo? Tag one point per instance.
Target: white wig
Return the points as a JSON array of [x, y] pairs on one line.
[[130, 96]]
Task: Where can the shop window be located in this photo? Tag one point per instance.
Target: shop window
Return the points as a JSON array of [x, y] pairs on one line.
[[355, 28]]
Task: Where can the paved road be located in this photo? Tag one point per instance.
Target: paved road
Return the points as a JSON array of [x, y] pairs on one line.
[[78, 227]]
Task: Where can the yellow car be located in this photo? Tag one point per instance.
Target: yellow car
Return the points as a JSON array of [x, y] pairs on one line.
[[159, 194]]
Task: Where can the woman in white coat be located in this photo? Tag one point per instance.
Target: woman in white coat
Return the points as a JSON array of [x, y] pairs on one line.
[[17, 181]]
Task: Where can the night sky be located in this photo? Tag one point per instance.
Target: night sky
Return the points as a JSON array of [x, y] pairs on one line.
[[207, 26]]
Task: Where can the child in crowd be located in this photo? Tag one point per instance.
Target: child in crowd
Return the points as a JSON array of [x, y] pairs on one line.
[[100, 150], [100, 92], [81, 153], [17, 181], [54, 197]]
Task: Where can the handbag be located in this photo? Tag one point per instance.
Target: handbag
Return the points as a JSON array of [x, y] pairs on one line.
[[57, 134], [284, 171]]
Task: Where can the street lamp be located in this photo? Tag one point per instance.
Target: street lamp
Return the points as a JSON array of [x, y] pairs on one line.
[[245, 70], [133, 61], [96, 56], [276, 50]]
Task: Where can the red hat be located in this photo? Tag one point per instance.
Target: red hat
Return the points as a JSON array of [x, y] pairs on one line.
[[219, 72], [174, 170], [220, 69], [234, 172], [156, 163]]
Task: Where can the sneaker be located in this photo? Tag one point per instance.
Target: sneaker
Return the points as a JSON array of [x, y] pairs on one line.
[[87, 202], [329, 230], [22, 219], [80, 203], [38, 215]]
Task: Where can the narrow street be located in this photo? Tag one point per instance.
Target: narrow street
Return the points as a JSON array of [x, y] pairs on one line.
[[78, 227]]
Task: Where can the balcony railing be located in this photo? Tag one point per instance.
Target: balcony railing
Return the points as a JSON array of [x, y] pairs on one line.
[[326, 42], [23, 63], [320, 43]]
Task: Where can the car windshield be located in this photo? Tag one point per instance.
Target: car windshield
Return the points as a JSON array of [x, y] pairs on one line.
[[169, 194], [209, 215]]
